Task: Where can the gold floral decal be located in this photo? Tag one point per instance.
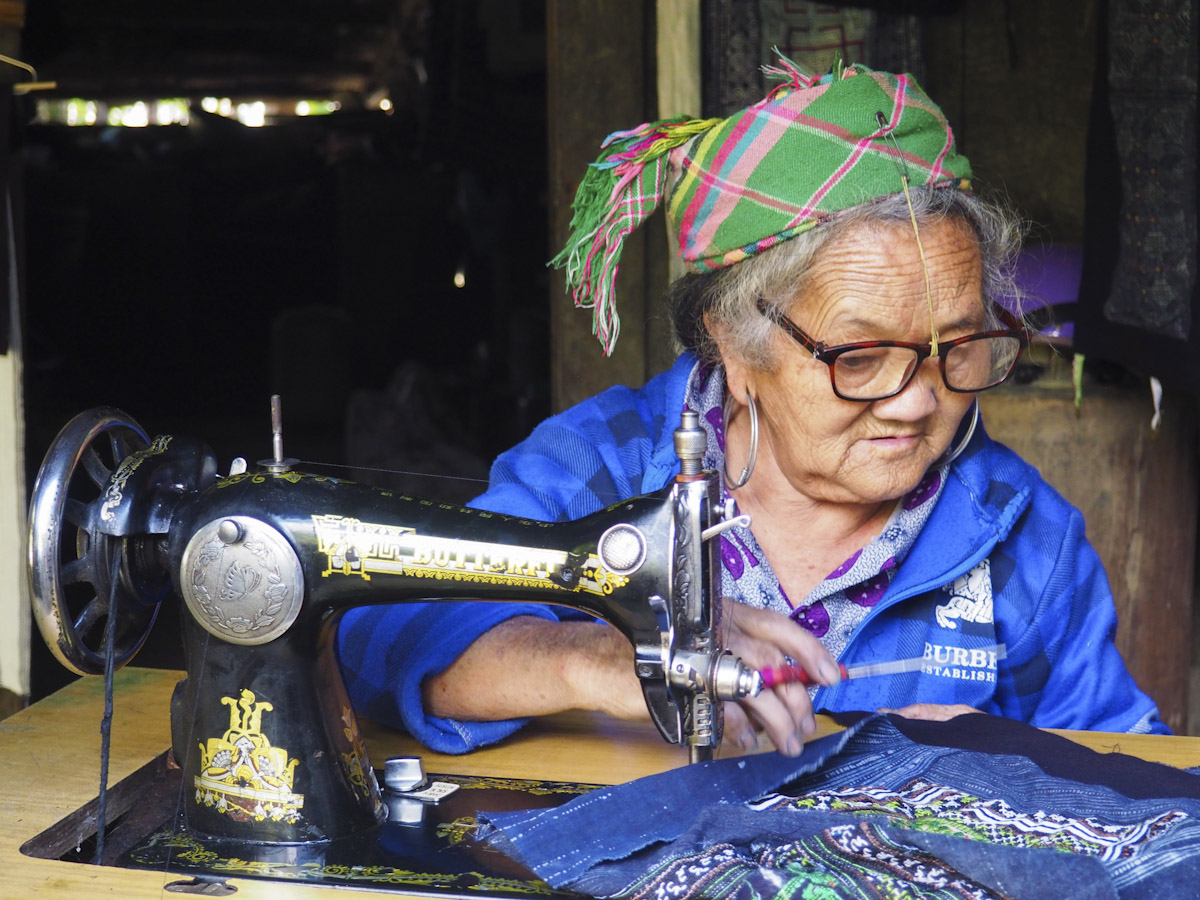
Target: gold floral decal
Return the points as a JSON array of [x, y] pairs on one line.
[[362, 776], [114, 493], [242, 775], [263, 477], [187, 851]]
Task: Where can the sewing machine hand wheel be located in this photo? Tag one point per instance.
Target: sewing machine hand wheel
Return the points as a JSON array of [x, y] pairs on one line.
[[75, 549]]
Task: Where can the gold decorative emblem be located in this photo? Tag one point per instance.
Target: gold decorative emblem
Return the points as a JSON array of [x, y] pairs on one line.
[[242, 775], [114, 493], [353, 547], [359, 771]]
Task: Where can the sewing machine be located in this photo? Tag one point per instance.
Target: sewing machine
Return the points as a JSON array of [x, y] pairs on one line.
[[265, 561]]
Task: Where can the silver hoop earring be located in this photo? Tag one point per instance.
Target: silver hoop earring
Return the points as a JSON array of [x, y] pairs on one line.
[[748, 469], [957, 450]]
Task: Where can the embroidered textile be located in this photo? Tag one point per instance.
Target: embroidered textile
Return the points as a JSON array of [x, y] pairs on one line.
[[873, 812]]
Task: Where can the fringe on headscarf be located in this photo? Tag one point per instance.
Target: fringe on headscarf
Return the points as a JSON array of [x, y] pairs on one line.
[[790, 74], [793, 77], [618, 192]]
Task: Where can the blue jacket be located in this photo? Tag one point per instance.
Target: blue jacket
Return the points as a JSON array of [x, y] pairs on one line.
[[1051, 603]]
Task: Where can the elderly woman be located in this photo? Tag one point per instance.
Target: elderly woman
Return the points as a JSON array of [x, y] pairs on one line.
[[838, 320]]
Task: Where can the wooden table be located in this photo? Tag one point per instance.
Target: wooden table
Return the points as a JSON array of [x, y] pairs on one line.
[[49, 768]]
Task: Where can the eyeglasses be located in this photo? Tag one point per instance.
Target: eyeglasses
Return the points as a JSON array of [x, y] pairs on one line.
[[875, 370]]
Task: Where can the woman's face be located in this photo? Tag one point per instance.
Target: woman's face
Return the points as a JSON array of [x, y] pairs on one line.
[[867, 284]]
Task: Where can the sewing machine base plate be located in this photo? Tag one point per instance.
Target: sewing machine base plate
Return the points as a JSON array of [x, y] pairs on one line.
[[424, 848]]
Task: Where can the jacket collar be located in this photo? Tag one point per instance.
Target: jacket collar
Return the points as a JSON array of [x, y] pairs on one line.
[[987, 490]]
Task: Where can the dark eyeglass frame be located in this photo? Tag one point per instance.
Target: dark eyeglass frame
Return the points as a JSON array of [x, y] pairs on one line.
[[822, 352]]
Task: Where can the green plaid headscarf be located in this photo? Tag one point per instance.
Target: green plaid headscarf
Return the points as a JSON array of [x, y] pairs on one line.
[[811, 148]]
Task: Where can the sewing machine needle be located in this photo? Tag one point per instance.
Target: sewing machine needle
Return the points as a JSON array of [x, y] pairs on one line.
[[793, 673]]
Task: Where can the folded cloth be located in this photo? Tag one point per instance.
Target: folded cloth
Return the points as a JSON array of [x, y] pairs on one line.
[[873, 812], [562, 843]]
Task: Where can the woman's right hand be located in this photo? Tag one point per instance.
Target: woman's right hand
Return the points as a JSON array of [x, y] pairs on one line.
[[529, 666], [764, 638]]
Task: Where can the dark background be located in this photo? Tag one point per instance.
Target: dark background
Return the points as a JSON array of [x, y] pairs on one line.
[[185, 273]]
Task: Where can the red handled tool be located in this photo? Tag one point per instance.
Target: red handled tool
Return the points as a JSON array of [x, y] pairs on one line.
[[792, 674]]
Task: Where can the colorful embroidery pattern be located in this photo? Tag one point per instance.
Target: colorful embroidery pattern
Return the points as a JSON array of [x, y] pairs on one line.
[[851, 862], [932, 807], [874, 813], [866, 860]]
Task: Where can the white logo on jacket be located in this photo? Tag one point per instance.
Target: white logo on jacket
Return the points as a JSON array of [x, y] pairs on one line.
[[970, 598]]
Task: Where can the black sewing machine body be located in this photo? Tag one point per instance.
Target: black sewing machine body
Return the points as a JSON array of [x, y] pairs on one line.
[[266, 562], [314, 547]]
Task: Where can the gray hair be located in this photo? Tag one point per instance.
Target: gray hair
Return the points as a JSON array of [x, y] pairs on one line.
[[729, 298]]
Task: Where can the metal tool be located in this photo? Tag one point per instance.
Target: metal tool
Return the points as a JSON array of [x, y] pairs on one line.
[[794, 674]]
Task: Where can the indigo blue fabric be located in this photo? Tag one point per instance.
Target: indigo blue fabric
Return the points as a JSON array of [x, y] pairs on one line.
[[873, 810], [1054, 755], [562, 843], [1051, 604]]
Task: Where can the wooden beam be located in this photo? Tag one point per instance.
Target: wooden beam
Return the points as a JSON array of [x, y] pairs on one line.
[[677, 42], [1137, 491], [599, 56], [12, 13]]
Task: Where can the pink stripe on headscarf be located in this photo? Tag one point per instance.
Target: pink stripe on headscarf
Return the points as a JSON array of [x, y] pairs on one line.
[[733, 165], [688, 237]]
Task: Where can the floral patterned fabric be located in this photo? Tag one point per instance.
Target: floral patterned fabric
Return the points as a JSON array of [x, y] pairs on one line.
[[875, 813]]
